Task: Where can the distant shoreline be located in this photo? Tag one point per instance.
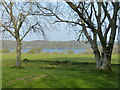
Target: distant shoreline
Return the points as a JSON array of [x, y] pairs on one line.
[[49, 44]]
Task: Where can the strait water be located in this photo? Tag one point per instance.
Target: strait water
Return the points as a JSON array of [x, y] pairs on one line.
[[25, 50]]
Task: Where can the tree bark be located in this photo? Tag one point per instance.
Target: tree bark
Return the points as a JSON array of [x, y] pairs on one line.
[[97, 59], [103, 61], [106, 60], [18, 57]]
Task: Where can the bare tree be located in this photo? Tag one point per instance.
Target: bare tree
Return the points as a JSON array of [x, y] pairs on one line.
[[97, 20], [16, 19]]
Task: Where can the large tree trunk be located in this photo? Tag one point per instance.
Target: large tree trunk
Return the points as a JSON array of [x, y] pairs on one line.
[[97, 59], [103, 62], [18, 57], [106, 59]]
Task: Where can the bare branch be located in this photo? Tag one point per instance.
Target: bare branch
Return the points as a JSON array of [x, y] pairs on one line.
[[12, 33], [105, 11], [28, 31], [81, 15], [53, 14]]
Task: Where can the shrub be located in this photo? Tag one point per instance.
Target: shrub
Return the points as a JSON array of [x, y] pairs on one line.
[[88, 51], [5, 50], [70, 52], [45, 53], [34, 50], [31, 51], [14, 51]]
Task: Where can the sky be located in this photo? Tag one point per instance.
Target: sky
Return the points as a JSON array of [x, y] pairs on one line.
[[53, 35], [63, 35], [59, 34]]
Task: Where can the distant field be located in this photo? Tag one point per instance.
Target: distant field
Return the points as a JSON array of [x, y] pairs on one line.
[[36, 75]]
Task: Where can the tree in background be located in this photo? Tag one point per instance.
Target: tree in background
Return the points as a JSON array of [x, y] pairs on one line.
[[17, 21], [95, 20], [14, 51]]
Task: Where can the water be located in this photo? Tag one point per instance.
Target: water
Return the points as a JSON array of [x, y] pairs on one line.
[[25, 50]]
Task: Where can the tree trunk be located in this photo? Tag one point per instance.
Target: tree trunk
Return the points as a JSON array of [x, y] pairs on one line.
[[106, 65], [106, 58], [18, 57], [103, 62], [97, 59]]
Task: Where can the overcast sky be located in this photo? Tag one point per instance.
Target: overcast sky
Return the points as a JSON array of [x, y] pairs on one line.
[[53, 35]]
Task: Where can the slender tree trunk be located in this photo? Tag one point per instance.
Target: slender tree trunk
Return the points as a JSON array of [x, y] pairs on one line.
[[18, 57]]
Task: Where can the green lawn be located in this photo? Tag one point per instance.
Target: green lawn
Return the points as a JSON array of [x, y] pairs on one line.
[[33, 76], [7, 58]]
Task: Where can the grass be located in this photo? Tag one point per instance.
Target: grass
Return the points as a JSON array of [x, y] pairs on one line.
[[33, 76], [7, 58]]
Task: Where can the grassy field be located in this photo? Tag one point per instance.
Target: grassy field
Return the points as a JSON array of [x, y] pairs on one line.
[[68, 75]]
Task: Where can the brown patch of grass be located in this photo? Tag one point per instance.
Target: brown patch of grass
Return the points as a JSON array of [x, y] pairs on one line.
[[23, 78], [38, 77]]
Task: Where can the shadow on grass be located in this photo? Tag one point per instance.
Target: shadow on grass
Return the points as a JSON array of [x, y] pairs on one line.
[[63, 63], [67, 72], [59, 63], [17, 67]]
